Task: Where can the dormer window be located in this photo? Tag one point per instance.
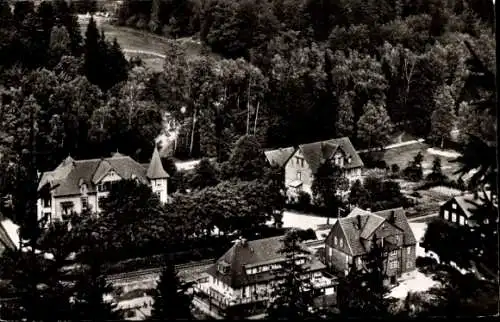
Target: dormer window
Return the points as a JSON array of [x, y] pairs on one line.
[[83, 187], [223, 268]]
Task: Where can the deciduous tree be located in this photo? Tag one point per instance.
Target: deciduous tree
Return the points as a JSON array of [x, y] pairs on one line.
[[374, 126], [328, 184]]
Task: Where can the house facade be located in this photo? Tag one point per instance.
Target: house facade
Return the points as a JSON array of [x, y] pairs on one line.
[[79, 185], [301, 163], [460, 210], [244, 277], [351, 238]]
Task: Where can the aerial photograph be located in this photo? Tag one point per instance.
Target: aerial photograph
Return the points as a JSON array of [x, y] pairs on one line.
[[248, 160]]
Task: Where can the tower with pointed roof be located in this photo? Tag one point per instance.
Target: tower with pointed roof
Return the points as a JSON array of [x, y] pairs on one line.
[[158, 177]]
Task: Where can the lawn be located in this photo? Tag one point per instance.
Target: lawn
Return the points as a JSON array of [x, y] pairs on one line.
[[404, 154], [132, 40]]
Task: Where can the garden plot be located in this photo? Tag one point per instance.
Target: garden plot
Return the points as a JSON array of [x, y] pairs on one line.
[[403, 155]]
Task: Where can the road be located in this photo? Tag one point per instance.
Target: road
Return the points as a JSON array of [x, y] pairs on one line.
[[131, 52], [418, 219]]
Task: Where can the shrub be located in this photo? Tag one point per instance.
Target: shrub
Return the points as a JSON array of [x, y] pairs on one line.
[[132, 21], [303, 200], [308, 234], [142, 24], [422, 262]]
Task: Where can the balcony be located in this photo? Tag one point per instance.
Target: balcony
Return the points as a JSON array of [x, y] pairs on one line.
[[225, 304]]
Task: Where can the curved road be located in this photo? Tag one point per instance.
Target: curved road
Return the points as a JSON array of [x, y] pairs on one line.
[[143, 52]]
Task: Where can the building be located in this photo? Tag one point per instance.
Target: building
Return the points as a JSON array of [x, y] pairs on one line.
[[351, 238], [78, 185], [302, 163], [279, 157], [244, 277], [9, 235], [460, 210]]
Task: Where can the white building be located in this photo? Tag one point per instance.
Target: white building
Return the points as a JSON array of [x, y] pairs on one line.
[[301, 164], [78, 185], [247, 273]]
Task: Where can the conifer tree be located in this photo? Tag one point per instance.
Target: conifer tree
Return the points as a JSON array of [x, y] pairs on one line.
[[292, 298], [170, 299]]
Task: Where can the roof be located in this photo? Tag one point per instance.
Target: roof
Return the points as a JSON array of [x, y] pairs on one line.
[[295, 183], [69, 175], [468, 204], [155, 170], [315, 153], [9, 237], [279, 156], [254, 253], [360, 226]]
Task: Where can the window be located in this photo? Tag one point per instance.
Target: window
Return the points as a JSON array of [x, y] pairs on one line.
[[85, 202], [265, 268], [408, 264], [454, 205], [466, 222], [158, 183], [446, 215], [330, 251], [358, 261], [302, 162], [408, 251], [394, 253], [299, 175], [397, 239], [341, 242], [100, 200], [461, 220], [393, 264], [47, 202], [453, 217], [67, 207], [335, 241], [223, 267]]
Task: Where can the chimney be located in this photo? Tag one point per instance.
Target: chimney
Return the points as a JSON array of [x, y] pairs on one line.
[[243, 242], [359, 221], [392, 217]]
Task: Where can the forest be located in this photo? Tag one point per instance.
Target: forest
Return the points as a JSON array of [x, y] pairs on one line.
[[348, 67], [276, 73]]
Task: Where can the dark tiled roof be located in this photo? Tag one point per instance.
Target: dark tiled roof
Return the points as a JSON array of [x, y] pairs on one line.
[[401, 222], [279, 156], [254, 252], [359, 226], [315, 153], [70, 173], [468, 204]]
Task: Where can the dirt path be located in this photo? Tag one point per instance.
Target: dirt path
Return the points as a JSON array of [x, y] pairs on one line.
[[143, 52]]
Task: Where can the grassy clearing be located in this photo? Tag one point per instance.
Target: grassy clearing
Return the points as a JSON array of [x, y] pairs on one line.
[[404, 154], [137, 40]]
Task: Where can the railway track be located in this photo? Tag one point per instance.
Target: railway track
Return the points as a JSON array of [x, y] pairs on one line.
[[144, 273]]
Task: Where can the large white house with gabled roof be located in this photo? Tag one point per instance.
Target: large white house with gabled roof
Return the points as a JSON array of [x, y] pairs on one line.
[[301, 163], [78, 185]]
